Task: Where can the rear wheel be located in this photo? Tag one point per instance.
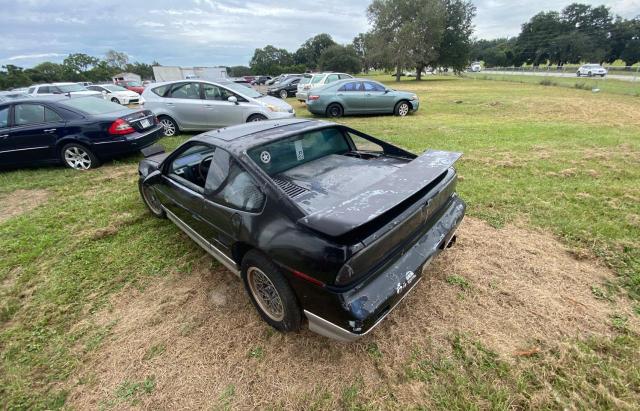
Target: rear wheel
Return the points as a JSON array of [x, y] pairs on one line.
[[256, 117], [170, 126], [78, 157], [283, 94], [270, 293], [335, 110], [149, 198], [402, 109]]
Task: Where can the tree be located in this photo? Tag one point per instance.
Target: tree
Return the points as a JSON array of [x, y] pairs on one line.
[[270, 60], [455, 46], [101, 72], [625, 41], [340, 58], [144, 70], [79, 62], [46, 72], [239, 71], [362, 44], [309, 52], [117, 59], [13, 76]]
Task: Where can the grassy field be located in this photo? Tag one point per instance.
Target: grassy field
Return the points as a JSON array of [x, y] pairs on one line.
[[103, 306], [606, 85]]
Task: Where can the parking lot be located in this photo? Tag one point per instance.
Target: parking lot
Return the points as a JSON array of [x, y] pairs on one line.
[[118, 309]]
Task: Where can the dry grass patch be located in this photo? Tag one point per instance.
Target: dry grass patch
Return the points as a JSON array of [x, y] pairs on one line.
[[19, 202], [518, 292]]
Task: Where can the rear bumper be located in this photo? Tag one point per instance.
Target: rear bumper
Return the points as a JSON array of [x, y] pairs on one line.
[[128, 144], [302, 95], [353, 313]]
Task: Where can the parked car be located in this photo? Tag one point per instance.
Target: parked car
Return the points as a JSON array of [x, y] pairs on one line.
[[241, 81], [591, 70], [85, 83], [280, 78], [80, 132], [318, 219], [319, 80], [360, 96], [72, 89], [12, 94], [131, 85], [285, 88], [118, 94], [475, 67], [259, 80], [203, 105]]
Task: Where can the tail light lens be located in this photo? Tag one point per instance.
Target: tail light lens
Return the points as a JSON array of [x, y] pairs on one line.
[[314, 97], [120, 127]]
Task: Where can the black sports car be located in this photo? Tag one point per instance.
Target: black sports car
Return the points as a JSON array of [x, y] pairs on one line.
[[80, 132], [318, 219]]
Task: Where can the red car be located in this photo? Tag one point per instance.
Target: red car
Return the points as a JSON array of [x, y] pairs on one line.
[[131, 85]]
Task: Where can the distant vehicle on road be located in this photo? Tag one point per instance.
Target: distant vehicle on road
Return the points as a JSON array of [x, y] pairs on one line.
[[285, 88], [131, 85], [475, 67], [360, 96], [117, 94], [203, 105], [79, 132], [73, 89], [591, 70]]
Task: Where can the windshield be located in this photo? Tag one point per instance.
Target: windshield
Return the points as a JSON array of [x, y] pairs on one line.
[[134, 84], [244, 90], [66, 88], [115, 88], [317, 78], [92, 105], [282, 155]]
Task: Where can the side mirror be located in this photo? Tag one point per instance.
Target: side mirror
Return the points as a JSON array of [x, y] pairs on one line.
[[153, 178], [104, 94], [386, 90], [233, 99]]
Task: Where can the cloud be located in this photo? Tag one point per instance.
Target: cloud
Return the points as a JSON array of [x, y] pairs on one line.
[[34, 56]]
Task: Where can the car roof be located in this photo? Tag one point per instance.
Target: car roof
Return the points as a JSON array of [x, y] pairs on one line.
[[239, 138], [42, 99]]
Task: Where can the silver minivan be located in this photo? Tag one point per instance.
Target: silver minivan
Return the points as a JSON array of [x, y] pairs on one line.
[[190, 105]]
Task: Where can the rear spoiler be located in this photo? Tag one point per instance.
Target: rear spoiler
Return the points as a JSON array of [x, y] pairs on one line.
[[381, 197]]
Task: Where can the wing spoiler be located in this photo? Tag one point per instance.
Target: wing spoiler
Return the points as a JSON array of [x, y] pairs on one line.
[[381, 197]]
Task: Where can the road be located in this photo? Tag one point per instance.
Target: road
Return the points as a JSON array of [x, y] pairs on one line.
[[622, 77]]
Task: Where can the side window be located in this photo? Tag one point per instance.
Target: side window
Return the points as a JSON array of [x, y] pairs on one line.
[[28, 114], [31, 90], [191, 166], [352, 86], [51, 116], [43, 90], [186, 90], [345, 76], [212, 92], [331, 78], [161, 90], [362, 144], [4, 117], [230, 185], [369, 86]]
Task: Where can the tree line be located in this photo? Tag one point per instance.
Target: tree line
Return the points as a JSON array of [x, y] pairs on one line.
[[75, 67], [579, 33]]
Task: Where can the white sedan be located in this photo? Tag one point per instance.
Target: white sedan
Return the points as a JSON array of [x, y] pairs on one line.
[[591, 70], [118, 94]]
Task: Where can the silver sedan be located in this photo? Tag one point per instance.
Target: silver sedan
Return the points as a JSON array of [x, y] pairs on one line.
[[193, 105]]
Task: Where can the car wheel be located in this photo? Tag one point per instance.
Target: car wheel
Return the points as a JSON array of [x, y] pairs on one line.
[[589, 74], [270, 293], [335, 110], [115, 100], [402, 109], [78, 157], [578, 74], [283, 94], [256, 117], [149, 198], [170, 126]]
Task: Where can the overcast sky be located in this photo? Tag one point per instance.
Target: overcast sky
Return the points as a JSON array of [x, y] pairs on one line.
[[208, 32]]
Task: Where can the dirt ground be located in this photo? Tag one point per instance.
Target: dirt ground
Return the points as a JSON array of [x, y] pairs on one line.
[[199, 337], [20, 201]]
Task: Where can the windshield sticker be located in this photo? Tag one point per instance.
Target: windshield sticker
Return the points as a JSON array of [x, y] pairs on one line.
[[299, 150], [265, 157]]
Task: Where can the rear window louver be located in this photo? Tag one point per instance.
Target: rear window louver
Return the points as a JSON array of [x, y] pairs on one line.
[[292, 190]]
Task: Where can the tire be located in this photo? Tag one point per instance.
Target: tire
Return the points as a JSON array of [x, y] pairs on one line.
[[150, 200], [589, 74], [261, 277], [602, 75], [335, 110], [115, 100], [170, 126], [256, 117], [578, 74], [78, 157], [402, 109], [284, 94]]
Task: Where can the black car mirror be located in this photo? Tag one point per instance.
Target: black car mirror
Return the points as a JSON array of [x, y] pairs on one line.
[[153, 178]]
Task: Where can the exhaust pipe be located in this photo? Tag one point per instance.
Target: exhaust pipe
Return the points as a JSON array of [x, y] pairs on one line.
[[450, 243]]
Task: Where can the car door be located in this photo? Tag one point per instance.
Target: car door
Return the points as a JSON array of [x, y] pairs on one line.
[[185, 103], [293, 86], [351, 95], [5, 151], [377, 99], [219, 111], [34, 132], [232, 198]]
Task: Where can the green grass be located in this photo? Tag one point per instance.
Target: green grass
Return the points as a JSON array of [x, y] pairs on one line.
[[532, 156]]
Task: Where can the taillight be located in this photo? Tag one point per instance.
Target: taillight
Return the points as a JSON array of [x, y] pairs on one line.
[[314, 97], [120, 127], [307, 278]]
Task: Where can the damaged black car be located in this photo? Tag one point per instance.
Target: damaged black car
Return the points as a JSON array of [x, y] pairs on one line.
[[319, 220]]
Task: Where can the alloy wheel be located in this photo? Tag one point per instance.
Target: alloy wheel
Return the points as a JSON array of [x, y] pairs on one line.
[[265, 294], [403, 110], [169, 127], [77, 158], [284, 94]]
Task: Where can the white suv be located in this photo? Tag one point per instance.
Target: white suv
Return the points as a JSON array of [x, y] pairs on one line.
[[311, 81], [591, 70], [73, 89]]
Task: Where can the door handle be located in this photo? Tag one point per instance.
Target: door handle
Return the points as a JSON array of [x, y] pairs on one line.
[[49, 130]]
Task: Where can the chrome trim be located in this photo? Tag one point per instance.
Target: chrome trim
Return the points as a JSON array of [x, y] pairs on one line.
[[328, 329], [24, 149], [208, 247]]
